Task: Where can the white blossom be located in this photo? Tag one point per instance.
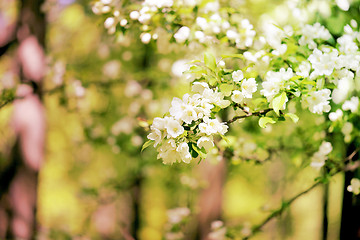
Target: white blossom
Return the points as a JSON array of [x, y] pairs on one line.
[[237, 96], [318, 101], [323, 63], [275, 81], [347, 128], [304, 69], [200, 36], [205, 142], [354, 186], [311, 32], [173, 128], [167, 152], [202, 23], [319, 158], [218, 231], [212, 126], [325, 148], [182, 34], [334, 116], [134, 15], [248, 87], [351, 105], [237, 76], [176, 215], [340, 93], [145, 37], [189, 114], [155, 135], [183, 150], [215, 97], [199, 87], [158, 3]]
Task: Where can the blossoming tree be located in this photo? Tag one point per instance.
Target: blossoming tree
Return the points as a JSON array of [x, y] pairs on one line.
[[272, 75], [280, 88]]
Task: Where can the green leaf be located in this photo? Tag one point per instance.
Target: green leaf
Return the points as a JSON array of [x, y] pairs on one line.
[[295, 78], [278, 102], [225, 138], [210, 61], [194, 61], [195, 69], [293, 117], [320, 82], [233, 56], [226, 89], [308, 82], [199, 151], [212, 81], [146, 144], [265, 120]]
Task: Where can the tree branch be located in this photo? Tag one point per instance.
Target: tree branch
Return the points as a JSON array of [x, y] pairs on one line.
[[250, 114], [10, 100], [286, 204]]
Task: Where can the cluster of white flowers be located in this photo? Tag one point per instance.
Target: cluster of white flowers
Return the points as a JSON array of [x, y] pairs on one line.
[[248, 87], [354, 186], [182, 34], [347, 129], [102, 6], [317, 101], [245, 37], [337, 115], [210, 23], [275, 82], [149, 8], [346, 42], [311, 32], [242, 35], [190, 111], [110, 23], [352, 105], [218, 231], [175, 217], [158, 3], [214, 25], [329, 62], [337, 65], [323, 63], [319, 158]]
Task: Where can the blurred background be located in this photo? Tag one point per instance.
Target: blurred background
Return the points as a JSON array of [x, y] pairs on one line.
[[88, 107]]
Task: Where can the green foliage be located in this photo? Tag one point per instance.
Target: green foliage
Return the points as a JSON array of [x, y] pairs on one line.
[[263, 121], [278, 102], [210, 61]]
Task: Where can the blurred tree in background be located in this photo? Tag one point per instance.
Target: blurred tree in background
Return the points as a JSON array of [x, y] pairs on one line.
[[82, 81]]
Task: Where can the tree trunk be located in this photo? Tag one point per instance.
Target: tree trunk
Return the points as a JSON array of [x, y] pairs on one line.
[[350, 217], [210, 201], [20, 178]]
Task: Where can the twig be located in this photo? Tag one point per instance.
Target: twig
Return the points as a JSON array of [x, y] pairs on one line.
[[286, 204], [10, 100], [258, 113], [278, 212]]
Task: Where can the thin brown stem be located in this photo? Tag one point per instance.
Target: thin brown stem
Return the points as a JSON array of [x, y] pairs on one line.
[[8, 101], [250, 114]]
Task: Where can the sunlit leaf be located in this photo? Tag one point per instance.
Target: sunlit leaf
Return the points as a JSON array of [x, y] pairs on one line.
[[210, 61], [293, 117], [146, 144], [265, 120], [226, 89], [233, 56], [278, 102]]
